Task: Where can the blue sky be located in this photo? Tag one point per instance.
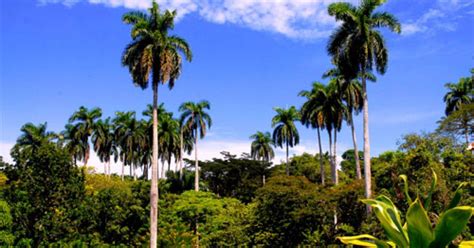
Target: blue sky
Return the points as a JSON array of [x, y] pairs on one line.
[[249, 56]]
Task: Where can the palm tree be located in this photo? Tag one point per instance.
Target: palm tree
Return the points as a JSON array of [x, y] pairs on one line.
[[195, 118], [168, 139], [84, 122], [335, 111], [285, 132], [104, 143], [32, 137], [351, 92], [154, 52], [311, 115], [129, 136], [71, 143], [458, 94], [261, 148], [357, 46], [185, 146]]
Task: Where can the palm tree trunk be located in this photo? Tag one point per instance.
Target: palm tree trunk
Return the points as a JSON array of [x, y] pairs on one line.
[[356, 150], [154, 193], [181, 155], [321, 164], [287, 165], [108, 169], [162, 169], [135, 173], [330, 153], [196, 167], [367, 171], [123, 169], [334, 169], [86, 157]]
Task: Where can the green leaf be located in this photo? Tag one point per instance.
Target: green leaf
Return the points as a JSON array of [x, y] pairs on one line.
[[419, 226], [389, 218], [430, 194], [360, 240], [450, 225], [457, 196], [405, 188]]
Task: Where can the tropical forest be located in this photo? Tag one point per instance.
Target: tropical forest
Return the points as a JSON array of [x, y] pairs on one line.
[[144, 176]]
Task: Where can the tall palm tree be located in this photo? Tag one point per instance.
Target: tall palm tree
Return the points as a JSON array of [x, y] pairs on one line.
[[285, 132], [71, 143], [351, 93], [312, 115], [104, 143], [84, 122], [153, 51], [261, 148], [335, 112], [357, 46], [458, 94], [168, 139], [197, 120], [185, 146]]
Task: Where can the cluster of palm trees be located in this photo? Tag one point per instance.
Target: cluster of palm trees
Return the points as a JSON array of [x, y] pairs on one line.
[[357, 49], [124, 137]]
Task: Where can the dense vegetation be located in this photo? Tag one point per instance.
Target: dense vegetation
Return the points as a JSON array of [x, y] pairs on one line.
[[47, 199]]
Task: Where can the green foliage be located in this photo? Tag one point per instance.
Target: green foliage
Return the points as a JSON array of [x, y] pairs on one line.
[[291, 211], [234, 177], [43, 193], [202, 215], [417, 231], [6, 237]]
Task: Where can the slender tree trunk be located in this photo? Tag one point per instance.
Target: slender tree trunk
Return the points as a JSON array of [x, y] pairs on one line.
[[335, 172], [131, 170], [287, 164], [196, 167], [162, 169], [169, 166], [134, 173], [86, 157], [123, 169], [466, 130], [331, 162], [367, 170], [105, 168], [321, 163], [181, 155], [145, 172], [154, 193], [356, 150]]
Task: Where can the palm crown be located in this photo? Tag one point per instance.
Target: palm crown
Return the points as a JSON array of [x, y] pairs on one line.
[[459, 94], [261, 147], [152, 50], [357, 45]]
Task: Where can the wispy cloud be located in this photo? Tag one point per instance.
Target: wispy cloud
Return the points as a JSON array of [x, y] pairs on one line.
[[301, 19], [442, 16]]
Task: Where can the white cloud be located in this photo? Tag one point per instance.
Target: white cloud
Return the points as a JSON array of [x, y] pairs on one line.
[[300, 19], [443, 15]]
